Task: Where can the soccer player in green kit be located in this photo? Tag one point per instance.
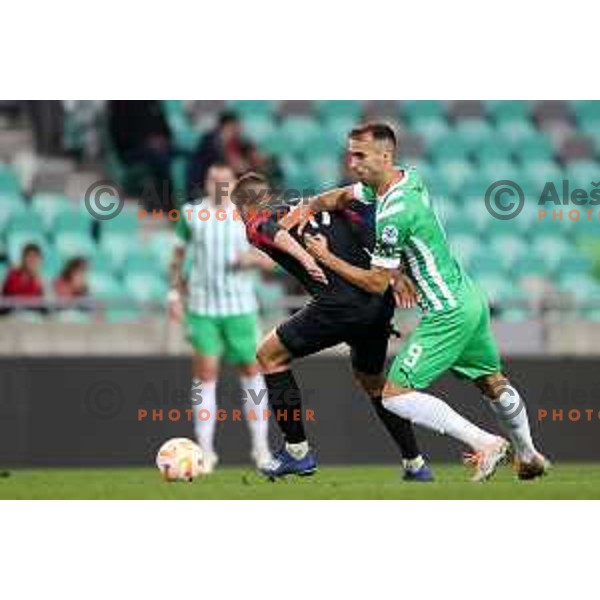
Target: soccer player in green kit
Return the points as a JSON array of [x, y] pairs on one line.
[[454, 333]]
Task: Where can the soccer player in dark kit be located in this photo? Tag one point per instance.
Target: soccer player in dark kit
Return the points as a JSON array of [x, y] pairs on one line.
[[338, 312]]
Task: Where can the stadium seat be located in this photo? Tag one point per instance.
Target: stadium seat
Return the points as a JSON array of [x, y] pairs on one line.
[[104, 286], [575, 264], [507, 110], [9, 182], [534, 147], [253, 108], [338, 128], [495, 286], [146, 287], [161, 245], [456, 172], [514, 130], [417, 109], [72, 220], [17, 240], [331, 109], [49, 206], [259, 128], [127, 221], [70, 244], [465, 246], [325, 171], [510, 247], [473, 133], [10, 204], [449, 147], [431, 129], [296, 175], [116, 245], [493, 149], [586, 111], [26, 220], [486, 262], [140, 262], [299, 133]]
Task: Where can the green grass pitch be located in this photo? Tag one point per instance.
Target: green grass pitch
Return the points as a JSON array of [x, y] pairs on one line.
[[566, 481]]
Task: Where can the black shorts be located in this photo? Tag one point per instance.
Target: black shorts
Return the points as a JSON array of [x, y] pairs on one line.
[[321, 324]]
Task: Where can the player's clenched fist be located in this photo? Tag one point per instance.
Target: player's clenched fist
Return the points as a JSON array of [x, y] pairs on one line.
[[317, 246]]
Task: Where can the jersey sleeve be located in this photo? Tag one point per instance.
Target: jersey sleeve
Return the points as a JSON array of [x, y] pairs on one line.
[[183, 232], [262, 228], [364, 193], [393, 227]]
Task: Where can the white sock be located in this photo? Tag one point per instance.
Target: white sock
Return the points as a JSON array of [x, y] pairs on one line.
[[256, 402], [205, 428], [511, 413], [433, 413]]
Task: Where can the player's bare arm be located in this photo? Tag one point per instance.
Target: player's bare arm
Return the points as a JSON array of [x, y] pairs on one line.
[[177, 292], [375, 280], [254, 259], [286, 243], [335, 199]]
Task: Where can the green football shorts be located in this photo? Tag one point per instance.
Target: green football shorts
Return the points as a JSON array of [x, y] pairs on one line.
[[460, 340], [235, 337]]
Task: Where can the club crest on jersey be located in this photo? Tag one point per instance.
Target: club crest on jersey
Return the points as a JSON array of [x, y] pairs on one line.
[[389, 235]]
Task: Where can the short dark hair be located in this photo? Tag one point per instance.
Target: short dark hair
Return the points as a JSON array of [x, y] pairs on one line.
[[244, 181], [228, 117], [377, 130], [31, 247]]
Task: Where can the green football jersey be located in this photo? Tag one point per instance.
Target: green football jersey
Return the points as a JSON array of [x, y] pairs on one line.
[[408, 233]]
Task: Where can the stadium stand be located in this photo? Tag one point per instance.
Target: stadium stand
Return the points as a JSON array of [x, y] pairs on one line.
[[461, 148]]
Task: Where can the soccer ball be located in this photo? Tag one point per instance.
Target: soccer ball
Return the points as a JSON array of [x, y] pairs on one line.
[[179, 459]]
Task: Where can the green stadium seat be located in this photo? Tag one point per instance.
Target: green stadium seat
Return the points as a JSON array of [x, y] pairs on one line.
[[515, 314], [70, 244], [510, 247], [493, 149], [507, 110], [296, 175], [116, 245], [127, 221], [474, 133], [338, 128], [11, 205], [580, 285], [485, 263], [456, 172], [581, 174], [274, 143], [575, 264], [325, 171], [253, 108], [450, 147], [514, 130], [417, 109], [138, 262], [52, 263], [299, 133], [103, 262], [327, 145], [161, 246], [72, 220], [498, 170], [495, 286], [146, 287], [104, 286], [49, 206], [9, 182], [535, 147], [26, 220], [431, 129], [348, 109], [586, 110], [552, 244], [259, 128], [465, 246], [528, 266]]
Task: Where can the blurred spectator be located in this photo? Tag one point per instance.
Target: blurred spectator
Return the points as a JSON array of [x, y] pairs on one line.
[[225, 145], [25, 281], [82, 121], [141, 136], [71, 284]]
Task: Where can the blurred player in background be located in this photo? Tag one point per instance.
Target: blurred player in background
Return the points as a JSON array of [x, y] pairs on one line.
[[221, 316], [455, 332], [339, 312]]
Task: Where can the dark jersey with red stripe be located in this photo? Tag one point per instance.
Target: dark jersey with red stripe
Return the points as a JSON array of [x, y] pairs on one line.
[[350, 235]]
